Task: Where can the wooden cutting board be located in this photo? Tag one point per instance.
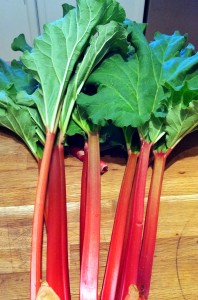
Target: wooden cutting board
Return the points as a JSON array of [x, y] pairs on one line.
[[175, 271]]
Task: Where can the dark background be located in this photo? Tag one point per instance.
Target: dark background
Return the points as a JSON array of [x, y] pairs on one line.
[[167, 16]]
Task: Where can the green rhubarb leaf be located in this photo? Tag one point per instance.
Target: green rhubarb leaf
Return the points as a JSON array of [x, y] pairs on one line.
[[20, 44], [17, 114], [183, 94], [179, 76], [155, 128], [132, 92], [36, 98], [180, 121], [110, 136], [14, 78], [74, 128], [80, 119], [29, 101], [189, 50], [109, 37], [129, 26], [125, 95], [166, 47], [5, 82], [180, 70], [21, 120], [57, 50], [128, 135], [182, 84], [172, 51]]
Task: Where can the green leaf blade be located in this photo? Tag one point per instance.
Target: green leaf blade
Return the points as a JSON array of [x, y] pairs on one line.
[[180, 122], [13, 78], [24, 122], [56, 52], [165, 47], [109, 37]]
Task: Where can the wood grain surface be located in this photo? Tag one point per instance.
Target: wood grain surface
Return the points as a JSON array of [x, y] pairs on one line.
[[175, 271]]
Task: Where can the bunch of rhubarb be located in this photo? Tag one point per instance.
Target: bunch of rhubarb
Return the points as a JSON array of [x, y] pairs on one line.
[[152, 96], [93, 73]]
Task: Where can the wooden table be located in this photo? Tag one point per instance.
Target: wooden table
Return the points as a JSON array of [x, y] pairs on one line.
[[175, 272]]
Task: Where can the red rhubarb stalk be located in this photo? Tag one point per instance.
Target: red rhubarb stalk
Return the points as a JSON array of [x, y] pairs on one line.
[[83, 198], [117, 238], [77, 152], [150, 228], [90, 253], [37, 228], [57, 270], [132, 252], [103, 167]]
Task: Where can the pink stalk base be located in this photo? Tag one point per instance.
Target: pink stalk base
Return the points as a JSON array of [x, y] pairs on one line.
[[57, 271], [150, 228], [37, 227], [91, 243], [117, 238], [132, 252]]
